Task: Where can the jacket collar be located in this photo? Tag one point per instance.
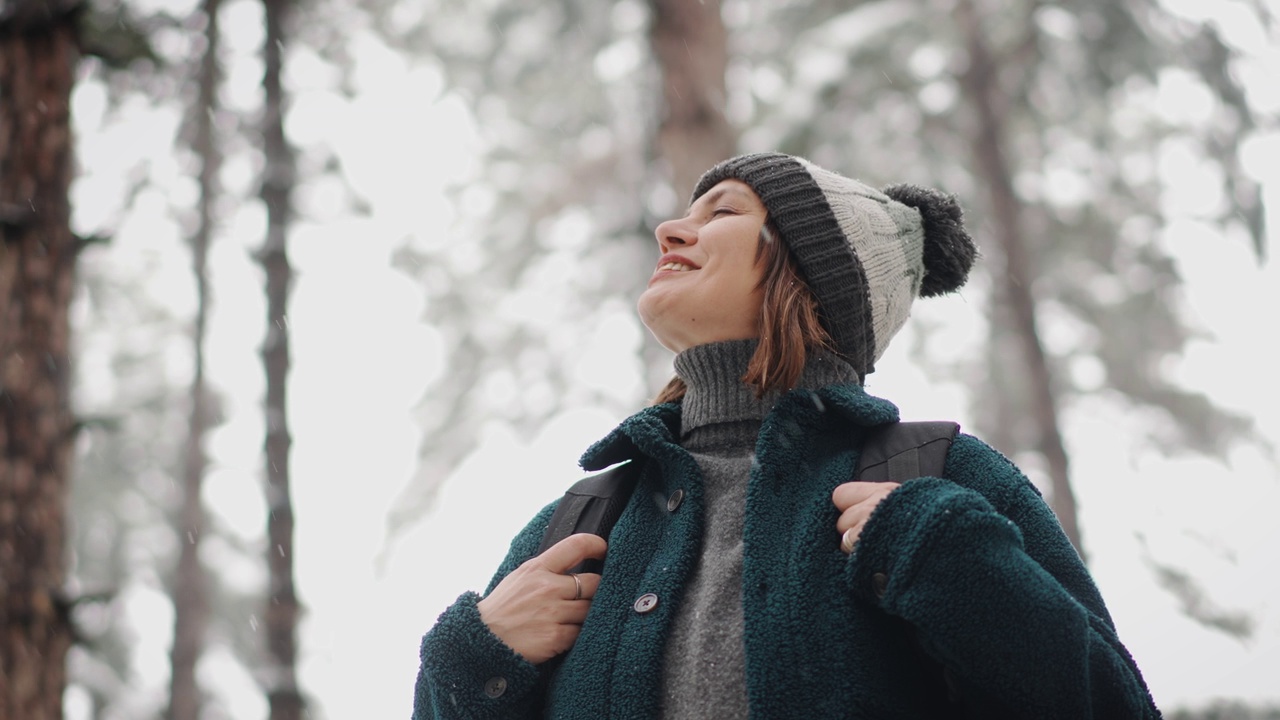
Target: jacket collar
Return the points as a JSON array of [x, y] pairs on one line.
[[658, 426], [852, 405]]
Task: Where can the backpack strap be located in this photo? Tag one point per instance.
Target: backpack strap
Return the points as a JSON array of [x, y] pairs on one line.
[[898, 452], [894, 452], [593, 504], [901, 451]]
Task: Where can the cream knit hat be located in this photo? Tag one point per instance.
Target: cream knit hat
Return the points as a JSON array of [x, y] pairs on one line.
[[865, 253]]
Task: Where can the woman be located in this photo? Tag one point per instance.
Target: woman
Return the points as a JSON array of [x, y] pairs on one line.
[[748, 577]]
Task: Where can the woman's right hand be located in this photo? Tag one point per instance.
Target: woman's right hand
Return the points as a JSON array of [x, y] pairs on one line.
[[534, 610]]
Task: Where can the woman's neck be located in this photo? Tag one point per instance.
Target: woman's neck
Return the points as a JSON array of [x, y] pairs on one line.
[[715, 391]]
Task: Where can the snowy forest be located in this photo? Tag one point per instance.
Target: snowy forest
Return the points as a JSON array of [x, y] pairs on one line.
[[307, 306]]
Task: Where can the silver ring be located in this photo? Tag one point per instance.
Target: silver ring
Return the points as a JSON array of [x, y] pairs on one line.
[[847, 542], [577, 586]]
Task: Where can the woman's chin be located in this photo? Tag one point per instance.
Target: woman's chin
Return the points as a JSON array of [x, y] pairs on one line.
[[661, 331], [651, 306], [666, 338]]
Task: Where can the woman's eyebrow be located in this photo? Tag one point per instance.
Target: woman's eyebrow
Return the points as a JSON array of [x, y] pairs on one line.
[[716, 195]]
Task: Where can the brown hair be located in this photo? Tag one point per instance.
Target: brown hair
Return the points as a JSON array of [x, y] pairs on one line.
[[788, 329]]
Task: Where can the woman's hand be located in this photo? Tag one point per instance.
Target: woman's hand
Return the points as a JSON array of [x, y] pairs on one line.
[[538, 610], [856, 501]]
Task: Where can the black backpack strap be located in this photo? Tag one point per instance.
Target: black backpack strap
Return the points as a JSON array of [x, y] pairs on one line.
[[593, 504], [901, 451]]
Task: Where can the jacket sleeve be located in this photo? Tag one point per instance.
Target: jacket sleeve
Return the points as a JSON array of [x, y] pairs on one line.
[[979, 565], [466, 671]]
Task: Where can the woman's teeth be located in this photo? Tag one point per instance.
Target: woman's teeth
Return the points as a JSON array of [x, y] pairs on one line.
[[674, 266]]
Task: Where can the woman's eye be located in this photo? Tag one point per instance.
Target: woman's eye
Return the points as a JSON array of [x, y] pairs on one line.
[[722, 211]]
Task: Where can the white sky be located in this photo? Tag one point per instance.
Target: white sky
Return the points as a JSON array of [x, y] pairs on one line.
[[362, 360]]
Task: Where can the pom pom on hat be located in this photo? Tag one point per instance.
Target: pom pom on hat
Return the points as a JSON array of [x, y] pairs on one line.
[[949, 252]]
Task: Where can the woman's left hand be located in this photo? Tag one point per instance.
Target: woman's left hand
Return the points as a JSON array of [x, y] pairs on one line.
[[856, 501]]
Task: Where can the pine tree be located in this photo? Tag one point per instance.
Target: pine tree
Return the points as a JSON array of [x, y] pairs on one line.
[[689, 43], [190, 585], [38, 54], [282, 611]]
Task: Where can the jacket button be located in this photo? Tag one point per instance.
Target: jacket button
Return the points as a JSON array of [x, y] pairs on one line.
[[674, 501], [645, 603], [495, 686], [879, 583]]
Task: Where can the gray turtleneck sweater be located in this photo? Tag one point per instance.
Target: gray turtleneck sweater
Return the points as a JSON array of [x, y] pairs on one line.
[[704, 671]]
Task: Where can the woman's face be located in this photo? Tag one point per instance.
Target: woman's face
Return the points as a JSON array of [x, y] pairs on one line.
[[706, 286]]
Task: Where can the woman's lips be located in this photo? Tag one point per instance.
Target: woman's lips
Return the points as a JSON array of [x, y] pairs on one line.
[[671, 264], [675, 267], [673, 258]]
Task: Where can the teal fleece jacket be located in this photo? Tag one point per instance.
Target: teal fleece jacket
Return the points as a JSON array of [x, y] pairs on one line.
[[963, 598]]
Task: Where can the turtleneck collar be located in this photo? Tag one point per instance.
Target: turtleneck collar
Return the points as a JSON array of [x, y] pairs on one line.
[[716, 394]]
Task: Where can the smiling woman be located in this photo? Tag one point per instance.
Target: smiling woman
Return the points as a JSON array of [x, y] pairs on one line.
[[751, 573], [707, 284], [780, 307]]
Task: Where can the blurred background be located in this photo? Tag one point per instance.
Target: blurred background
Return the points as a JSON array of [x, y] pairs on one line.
[[307, 306]]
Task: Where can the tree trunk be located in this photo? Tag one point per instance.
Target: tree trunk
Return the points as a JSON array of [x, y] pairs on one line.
[[690, 44], [980, 85], [190, 582], [38, 54], [282, 612], [689, 41]]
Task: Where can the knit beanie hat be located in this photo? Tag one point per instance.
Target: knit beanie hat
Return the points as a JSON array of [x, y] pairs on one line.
[[866, 254]]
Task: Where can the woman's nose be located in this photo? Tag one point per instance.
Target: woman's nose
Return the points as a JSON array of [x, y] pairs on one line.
[[675, 233]]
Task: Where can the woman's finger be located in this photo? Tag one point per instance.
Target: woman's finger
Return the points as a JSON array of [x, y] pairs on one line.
[[572, 612], [849, 494], [578, 586], [857, 501], [849, 540], [562, 637], [855, 516], [574, 587], [570, 551]]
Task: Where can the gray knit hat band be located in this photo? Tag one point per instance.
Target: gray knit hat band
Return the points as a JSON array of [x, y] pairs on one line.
[[862, 252]]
